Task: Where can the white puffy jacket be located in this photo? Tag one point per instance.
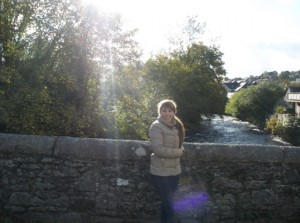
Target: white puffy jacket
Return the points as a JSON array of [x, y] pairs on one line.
[[164, 139]]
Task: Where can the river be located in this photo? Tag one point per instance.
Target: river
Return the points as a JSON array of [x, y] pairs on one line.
[[230, 130]]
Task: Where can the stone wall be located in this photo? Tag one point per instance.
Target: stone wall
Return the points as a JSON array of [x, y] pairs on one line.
[[69, 180]]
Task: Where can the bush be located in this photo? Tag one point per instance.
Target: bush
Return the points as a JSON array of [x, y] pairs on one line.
[[289, 133], [255, 103], [272, 124]]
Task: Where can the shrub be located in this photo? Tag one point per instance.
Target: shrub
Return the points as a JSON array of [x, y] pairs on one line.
[[291, 132]]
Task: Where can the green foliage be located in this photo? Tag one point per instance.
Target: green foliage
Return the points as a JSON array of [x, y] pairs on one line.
[[194, 75], [76, 72], [256, 103], [272, 76], [289, 132], [132, 119], [62, 72], [272, 124], [279, 109], [129, 108], [288, 76], [284, 76]]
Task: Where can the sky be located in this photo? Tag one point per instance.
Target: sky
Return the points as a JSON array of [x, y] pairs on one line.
[[254, 35]]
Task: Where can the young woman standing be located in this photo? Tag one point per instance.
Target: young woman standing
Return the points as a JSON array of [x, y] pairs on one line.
[[166, 137]]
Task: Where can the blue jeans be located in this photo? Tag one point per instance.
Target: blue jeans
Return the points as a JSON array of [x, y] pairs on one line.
[[166, 188]]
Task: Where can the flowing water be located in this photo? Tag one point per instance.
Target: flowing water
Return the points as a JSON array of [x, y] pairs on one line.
[[230, 130]]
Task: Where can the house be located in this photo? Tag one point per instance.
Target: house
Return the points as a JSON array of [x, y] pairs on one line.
[[292, 96], [231, 85], [236, 85], [242, 85]]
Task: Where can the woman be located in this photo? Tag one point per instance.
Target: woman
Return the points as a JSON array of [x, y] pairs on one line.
[[166, 138]]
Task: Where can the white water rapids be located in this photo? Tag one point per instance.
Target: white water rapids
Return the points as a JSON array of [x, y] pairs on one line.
[[230, 130]]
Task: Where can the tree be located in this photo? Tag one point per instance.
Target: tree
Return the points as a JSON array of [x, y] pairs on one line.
[[284, 76], [272, 76], [195, 75], [68, 76], [190, 32], [15, 21], [256, 103], [190, 73]]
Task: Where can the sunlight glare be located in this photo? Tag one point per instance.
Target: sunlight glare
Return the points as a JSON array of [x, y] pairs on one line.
[[238, 27], [112, 6]]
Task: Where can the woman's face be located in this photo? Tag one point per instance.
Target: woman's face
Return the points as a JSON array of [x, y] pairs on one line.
[[167, 114]]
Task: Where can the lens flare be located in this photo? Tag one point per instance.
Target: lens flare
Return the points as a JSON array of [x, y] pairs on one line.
[[191, 201]]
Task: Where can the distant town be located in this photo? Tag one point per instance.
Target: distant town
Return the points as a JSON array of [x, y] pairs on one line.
[[236, 84]]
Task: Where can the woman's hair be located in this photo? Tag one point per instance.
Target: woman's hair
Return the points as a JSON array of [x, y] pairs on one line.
[[167, 103]]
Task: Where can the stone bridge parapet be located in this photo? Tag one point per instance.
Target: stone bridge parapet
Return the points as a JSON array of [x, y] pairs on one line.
[[84, 180]]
